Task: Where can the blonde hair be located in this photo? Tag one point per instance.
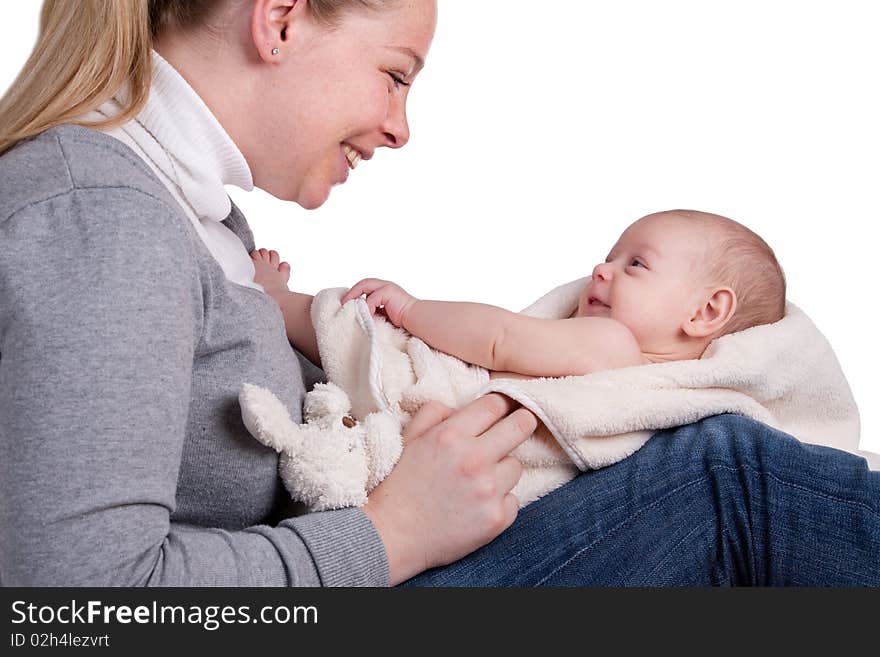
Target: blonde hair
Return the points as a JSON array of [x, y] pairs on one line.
[[739, 258], [88, 50]]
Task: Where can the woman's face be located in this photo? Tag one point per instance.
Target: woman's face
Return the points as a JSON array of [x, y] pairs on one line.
[[336, 95]]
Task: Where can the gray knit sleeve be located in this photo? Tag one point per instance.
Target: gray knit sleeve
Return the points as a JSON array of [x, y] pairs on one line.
[[100, 313]]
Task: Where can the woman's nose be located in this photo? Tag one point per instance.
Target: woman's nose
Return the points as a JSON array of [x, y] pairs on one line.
[[602, 271], [396, 127]]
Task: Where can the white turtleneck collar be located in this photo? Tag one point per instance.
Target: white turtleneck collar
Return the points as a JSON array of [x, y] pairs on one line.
[[184, 144]]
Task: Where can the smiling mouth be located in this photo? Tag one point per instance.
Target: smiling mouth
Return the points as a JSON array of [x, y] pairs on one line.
[[352, 155]]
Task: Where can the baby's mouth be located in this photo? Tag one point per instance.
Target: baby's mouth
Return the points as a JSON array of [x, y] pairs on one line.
[[596, 302]]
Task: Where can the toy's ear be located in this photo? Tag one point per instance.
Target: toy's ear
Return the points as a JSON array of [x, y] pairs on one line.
[[712, 314]]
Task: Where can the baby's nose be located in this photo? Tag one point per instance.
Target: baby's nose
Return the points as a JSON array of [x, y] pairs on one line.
[[602, 271]]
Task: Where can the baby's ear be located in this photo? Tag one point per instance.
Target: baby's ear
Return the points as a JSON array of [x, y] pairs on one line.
[[712, 315]]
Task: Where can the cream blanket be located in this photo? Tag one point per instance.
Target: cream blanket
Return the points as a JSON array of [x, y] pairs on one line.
[[784, 375]]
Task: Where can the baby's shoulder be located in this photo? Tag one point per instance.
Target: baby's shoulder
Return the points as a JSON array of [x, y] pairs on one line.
[[606, 343]]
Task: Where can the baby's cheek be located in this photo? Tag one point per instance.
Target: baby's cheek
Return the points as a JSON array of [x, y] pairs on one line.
[[649, 324]]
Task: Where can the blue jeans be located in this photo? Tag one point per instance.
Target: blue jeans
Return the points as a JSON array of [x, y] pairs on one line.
[[723, 501]]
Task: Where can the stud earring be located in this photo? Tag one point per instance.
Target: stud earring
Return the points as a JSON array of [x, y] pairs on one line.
[[274, 51]]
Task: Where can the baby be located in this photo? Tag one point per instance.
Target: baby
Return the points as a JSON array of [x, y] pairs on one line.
[[672, 283]]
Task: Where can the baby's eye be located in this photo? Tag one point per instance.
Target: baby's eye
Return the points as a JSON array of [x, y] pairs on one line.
[[635, 262]]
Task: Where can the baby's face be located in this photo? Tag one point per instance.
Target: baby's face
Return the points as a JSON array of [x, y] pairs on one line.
[[652, 280]]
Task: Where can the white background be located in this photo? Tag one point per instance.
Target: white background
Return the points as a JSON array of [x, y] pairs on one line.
[[541, 129]]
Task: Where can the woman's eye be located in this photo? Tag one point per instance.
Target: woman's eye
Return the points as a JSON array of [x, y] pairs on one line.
[[398, 80]]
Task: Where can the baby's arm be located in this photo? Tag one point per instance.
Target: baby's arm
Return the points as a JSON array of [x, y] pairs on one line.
[[503, 341]]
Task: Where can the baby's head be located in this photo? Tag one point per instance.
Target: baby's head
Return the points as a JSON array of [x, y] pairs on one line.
[[681, 278]]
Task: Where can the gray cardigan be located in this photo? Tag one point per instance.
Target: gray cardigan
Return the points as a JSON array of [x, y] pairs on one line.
[[123, 457]]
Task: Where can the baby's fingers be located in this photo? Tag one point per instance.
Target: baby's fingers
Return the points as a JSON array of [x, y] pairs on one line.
[[375, 301], [366, 286], [353, 293]]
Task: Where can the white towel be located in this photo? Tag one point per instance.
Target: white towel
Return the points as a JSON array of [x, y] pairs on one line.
[[784, 375]]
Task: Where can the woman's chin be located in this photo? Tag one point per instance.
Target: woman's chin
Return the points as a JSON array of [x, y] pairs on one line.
[[314, 195], [310, 202], [308, 199]]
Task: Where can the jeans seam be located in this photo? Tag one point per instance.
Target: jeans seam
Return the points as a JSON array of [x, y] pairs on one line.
[[689, 484], [729, 581], [800, 487]]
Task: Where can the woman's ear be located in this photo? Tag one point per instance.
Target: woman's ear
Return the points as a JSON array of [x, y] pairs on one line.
[[271, 23], [712, 315]]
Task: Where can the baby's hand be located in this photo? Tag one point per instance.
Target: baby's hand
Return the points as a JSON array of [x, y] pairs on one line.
[[383, 294]]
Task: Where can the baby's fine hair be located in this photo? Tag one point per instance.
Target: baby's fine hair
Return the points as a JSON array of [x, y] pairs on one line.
[[739, 258]]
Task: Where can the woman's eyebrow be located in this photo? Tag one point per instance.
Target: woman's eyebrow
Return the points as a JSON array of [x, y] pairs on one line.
[[406, 50]]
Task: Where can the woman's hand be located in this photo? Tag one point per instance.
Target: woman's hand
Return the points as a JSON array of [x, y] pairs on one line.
[[450, 492], [383, 294]]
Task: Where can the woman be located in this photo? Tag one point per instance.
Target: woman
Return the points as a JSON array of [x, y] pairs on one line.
[[128, 320]]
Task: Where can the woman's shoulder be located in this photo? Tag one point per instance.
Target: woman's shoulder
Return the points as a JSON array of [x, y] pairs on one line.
[[70, 158]]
